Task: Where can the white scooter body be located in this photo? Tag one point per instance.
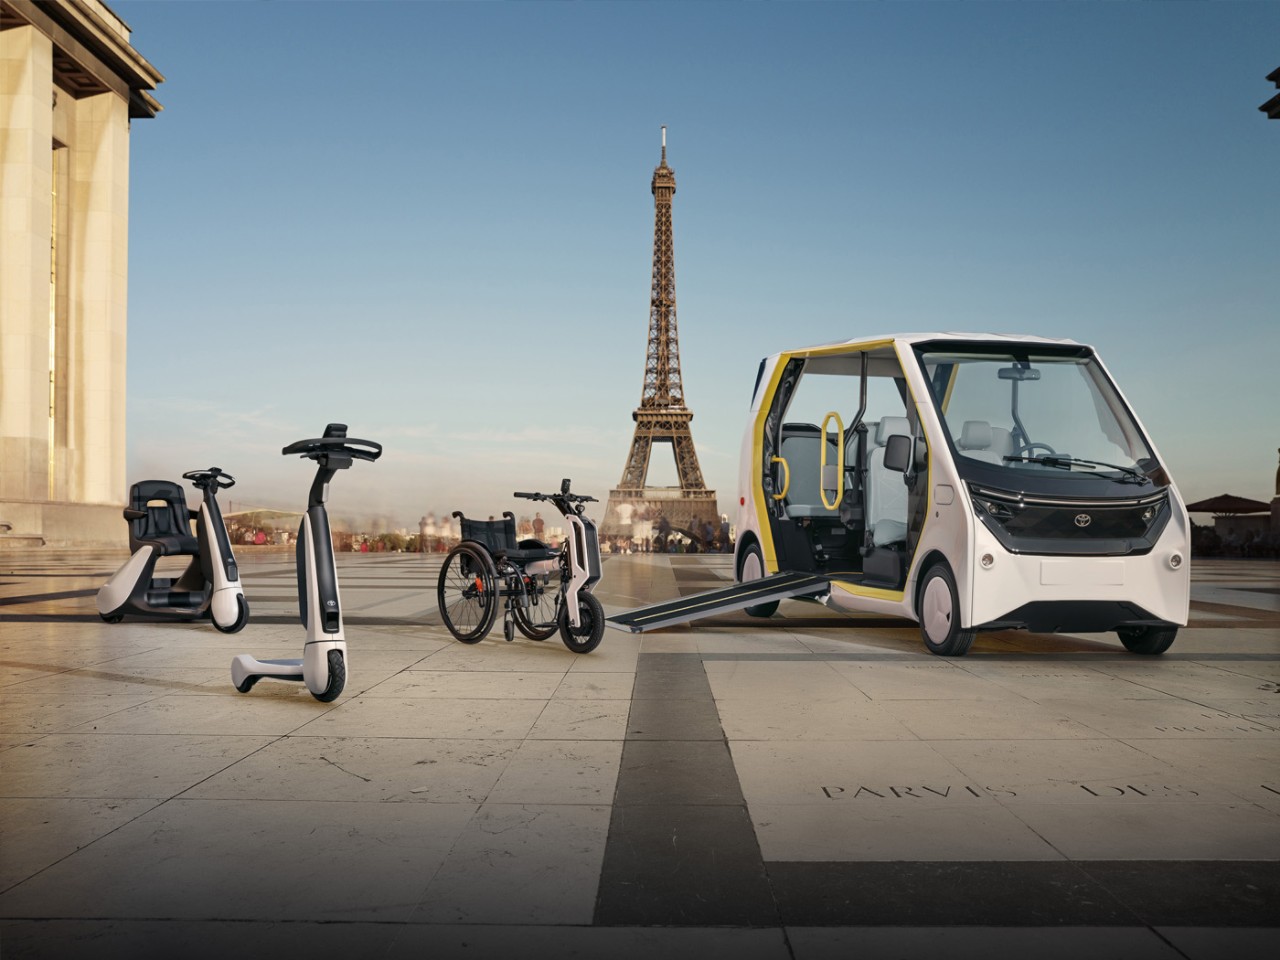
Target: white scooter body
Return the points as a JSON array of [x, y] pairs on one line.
[[323, 665]]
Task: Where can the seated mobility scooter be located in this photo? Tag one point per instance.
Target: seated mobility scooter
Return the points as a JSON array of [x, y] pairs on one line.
[[323, 667], [160, 526]]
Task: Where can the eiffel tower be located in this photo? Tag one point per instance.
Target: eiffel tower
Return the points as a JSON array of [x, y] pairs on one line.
[[635, 509]]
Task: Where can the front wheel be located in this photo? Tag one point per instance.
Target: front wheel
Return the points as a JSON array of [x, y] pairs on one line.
[[753, 569], [939, 614], [1147, 640], [337, 678], [111, 617], [242, 617], [587, 635], [467, 593]]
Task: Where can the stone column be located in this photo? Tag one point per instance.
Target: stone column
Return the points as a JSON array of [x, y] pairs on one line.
[[26, 162], [98, 236]]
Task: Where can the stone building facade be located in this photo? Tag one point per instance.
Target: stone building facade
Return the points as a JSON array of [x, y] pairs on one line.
[[70, 86]]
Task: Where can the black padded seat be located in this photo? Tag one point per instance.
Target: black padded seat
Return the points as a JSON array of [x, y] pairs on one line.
[[499, 538], [168, 527], [527, 552]]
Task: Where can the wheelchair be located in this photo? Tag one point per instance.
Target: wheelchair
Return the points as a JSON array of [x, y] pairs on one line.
[[490, 566]]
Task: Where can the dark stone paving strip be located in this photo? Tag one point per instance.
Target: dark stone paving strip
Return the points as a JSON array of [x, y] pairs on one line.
[[1039, 894], [681, 848], [46, 597]]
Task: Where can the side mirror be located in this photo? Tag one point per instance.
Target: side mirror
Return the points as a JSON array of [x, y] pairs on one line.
[[898, 453]]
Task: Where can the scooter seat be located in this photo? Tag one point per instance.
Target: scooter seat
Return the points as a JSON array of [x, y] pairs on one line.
[[158, 517]]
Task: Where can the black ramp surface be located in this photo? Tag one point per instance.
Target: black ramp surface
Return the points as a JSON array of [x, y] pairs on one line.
[[780, 586]]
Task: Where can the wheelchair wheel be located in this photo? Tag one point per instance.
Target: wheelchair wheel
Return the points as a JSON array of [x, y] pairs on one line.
[[586, 636], [467, 593], [528, 619]]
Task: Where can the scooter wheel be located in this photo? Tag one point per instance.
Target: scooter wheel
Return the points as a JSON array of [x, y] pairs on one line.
[[242, 617], [111, 617], [337, 678]]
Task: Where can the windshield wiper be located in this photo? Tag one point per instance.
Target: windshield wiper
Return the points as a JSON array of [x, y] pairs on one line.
[[1053, 460]]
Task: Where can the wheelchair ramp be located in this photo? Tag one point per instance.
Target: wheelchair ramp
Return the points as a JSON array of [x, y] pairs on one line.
[[780, 586]]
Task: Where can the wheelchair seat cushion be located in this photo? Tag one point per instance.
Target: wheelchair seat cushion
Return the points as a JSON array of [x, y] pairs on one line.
[[530, 551]]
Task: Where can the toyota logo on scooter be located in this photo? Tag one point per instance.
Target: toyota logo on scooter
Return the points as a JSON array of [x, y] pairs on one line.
[[1083, 519]]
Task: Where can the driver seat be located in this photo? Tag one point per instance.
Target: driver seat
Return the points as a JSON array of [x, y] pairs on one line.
[[166, 526]]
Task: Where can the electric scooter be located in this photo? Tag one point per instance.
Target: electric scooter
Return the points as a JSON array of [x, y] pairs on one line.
[[323, 666], [209, 587]]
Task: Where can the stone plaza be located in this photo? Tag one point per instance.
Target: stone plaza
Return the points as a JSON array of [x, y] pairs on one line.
[[814, 785]]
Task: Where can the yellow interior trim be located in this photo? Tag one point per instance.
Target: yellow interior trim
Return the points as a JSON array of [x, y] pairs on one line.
[[875, 593], [757, 464], [837, 348], [951, 385], [786, 477], [822, 460]]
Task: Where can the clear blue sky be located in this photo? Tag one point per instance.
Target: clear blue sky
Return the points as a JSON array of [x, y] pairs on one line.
[[432, 221]]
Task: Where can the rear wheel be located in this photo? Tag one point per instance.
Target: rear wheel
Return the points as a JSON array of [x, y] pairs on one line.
[[111, 617], [337, 678], [752, 568], [586, 636], [1147, 640], [939, 614], [467, 593]]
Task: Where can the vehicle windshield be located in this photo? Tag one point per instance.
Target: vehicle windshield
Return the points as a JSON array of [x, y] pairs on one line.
[[1035, 411]]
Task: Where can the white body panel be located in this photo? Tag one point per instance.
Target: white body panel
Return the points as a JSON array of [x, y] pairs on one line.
[[578, 572], [116, 590]]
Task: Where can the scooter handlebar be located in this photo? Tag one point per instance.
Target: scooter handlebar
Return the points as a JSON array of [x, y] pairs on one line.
[[321, 446]]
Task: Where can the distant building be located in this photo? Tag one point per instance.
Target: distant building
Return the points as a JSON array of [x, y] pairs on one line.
[[70, 85], [1272, 107]]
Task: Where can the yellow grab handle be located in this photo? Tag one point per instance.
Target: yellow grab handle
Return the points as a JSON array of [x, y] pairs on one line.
[[786, 477], [822, 460]]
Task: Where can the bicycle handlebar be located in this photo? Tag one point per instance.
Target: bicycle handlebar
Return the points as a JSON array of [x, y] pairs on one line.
[[572, 497]]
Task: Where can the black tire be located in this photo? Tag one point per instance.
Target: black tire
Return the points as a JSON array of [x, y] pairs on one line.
[[337, 678], [587, 635], [247, 685], [111, 617], [242, 617], [752, 568], [1149, 641], [467, 593], [532, 630], [939, 614]]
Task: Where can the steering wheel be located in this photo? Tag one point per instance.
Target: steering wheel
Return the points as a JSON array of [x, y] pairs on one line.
[[213, 476], [1027, 447]]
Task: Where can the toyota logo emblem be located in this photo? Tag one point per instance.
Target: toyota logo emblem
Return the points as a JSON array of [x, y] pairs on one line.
[[1083, 519]]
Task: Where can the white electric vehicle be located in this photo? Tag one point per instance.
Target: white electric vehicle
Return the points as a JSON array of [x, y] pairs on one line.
[[160, 526], [323, 666], [967, 481]]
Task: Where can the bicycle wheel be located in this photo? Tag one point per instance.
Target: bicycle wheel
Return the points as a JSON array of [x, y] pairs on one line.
[[467, 593], [586, 636]]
